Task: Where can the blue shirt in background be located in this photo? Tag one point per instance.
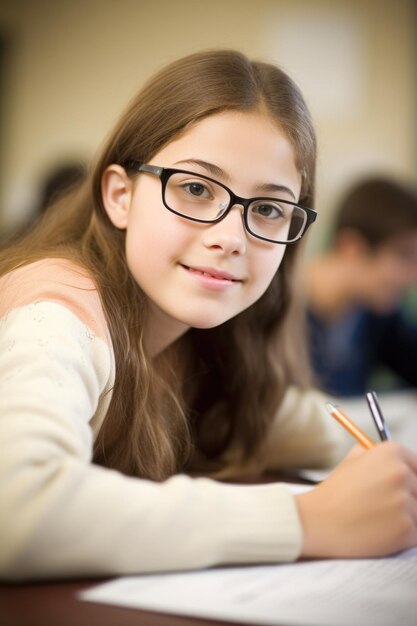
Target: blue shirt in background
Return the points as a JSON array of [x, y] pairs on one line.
[[346, 353]]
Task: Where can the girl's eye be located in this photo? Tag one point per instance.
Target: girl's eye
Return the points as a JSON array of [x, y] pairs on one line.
[[269, 211], [197, 189]]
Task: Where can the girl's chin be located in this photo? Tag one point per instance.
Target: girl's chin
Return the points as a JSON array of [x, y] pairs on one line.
[[206, 323]]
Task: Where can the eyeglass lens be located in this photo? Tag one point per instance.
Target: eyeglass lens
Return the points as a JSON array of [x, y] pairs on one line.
[[205, 200]]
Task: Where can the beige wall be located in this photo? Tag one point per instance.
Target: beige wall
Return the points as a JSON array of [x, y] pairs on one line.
[[72, 65]]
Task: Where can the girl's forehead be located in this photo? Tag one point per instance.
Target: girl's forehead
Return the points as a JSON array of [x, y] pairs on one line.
[[249, 138], [232, 121]]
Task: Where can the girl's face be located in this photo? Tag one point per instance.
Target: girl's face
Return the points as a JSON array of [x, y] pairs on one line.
[[200, 275]]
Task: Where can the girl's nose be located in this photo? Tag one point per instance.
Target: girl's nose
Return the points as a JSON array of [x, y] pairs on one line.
[[228, 235]]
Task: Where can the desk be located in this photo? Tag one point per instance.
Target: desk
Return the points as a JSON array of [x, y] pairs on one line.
[[56, 604]]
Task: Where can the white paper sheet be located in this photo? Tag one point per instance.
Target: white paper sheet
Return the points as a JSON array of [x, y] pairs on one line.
[[377, 592]]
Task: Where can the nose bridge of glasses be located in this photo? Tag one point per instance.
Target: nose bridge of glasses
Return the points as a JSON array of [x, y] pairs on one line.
[[227, 206], [224, 201], [233, 202]]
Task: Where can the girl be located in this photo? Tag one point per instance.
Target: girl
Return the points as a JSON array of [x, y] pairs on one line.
[[149, 330]]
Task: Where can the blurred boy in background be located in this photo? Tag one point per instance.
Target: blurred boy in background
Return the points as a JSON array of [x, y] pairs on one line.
[[355, 290]]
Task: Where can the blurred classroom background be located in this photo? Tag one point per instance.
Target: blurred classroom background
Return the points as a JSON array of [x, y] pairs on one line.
[[69, 67]]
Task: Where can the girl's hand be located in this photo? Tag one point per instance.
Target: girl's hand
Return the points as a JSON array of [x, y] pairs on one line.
[[367, 506]]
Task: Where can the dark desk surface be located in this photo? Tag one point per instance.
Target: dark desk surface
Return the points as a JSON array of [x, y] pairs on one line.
[[56, 604]]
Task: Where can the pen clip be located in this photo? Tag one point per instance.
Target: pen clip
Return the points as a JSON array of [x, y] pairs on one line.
[[377, 416]]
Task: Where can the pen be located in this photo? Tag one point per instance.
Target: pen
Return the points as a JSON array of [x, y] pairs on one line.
[[377, 415], [354, 430]]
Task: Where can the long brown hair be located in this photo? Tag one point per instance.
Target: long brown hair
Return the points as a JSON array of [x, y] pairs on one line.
[[216, 390]]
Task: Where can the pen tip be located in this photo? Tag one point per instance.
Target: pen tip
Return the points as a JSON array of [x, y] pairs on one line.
[[330, 407]]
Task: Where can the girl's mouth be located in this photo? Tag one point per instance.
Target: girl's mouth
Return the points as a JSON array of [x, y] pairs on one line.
[[212, 277]]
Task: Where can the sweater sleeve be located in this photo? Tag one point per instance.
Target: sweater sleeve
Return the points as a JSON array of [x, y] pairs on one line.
[[303, 435], [62, 516]]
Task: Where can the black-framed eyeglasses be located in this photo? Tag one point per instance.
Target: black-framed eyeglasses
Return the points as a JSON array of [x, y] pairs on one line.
[[203, 199]]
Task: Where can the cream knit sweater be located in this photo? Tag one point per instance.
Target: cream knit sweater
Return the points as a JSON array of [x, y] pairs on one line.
[[62, 516]]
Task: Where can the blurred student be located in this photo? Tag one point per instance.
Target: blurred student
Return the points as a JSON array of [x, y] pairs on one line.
[[356, 287]]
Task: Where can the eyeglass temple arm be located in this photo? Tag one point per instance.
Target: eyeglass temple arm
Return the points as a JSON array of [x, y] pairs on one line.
[[142, 167]]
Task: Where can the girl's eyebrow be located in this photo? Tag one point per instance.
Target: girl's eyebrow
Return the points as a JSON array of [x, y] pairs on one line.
[[272, 187], [215, 170]]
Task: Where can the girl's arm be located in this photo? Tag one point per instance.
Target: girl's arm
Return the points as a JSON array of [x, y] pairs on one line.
[[302, 435], [62, 516]]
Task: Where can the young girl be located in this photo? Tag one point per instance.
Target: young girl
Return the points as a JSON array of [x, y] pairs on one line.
[[149, 332]]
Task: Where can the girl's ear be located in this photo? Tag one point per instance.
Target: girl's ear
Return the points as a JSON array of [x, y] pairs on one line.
[[116, 191]]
